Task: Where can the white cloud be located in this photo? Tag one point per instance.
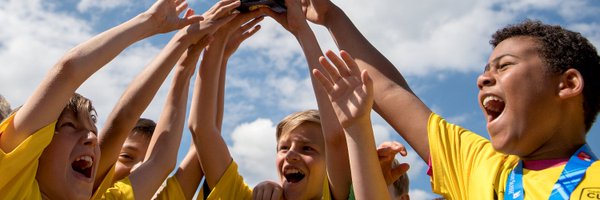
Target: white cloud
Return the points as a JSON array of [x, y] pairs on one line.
[[254, 149], [420, 194], [101, 5], [37, 39]]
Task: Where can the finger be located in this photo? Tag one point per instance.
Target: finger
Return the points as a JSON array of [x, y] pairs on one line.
[[249, 33], [252, 23], [400, 170], [277, 194], [325, 83], [367, 83], [217, 24], [257, 193], [226, 9], [350, 62], [188, 13], [331, 70], [181, 7], [339, 63], [266, 194]]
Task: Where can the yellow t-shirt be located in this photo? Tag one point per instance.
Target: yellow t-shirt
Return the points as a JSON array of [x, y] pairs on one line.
[[18, 168], [232, 186], [105, 184], [466, 166], [171, 189], [120, 190]]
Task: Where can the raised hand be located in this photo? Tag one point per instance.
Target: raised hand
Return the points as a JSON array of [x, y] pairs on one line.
[[387, 152], [267, 190], [293, 19], [349, 89], [213, 19], [316, 11], [164, 15], [239, 34]]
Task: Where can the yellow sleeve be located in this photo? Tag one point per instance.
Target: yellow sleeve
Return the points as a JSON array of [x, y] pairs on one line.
[[105, 184], [170, 190], [18, 168], [464, 164], [120, 190], [230, 186]]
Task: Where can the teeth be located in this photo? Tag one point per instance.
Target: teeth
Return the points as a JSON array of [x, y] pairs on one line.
[[88, 159], [487, 99], [292, 171]]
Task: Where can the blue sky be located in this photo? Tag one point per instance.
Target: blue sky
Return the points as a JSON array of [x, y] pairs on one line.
[[440, 46]]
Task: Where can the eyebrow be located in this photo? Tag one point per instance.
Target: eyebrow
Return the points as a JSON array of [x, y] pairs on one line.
[[496, 59]]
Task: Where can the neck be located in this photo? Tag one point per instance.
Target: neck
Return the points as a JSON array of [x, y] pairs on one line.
[[554, 151]]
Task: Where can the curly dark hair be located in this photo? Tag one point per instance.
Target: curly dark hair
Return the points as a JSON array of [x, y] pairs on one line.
[[561, 50]]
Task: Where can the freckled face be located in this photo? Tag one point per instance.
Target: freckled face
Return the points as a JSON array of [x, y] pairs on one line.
[[301, 162]]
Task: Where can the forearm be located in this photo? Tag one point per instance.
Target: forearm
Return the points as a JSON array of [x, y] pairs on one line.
[[392, 95], [190, 173], [337, 166], [164, 145], [68, 74], [212, 150], [367, 177], [133, 102]]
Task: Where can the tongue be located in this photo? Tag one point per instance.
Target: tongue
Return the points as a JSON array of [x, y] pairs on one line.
[[496, 106], [80, 166]]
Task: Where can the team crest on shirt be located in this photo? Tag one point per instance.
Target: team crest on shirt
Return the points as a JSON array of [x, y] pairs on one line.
[[590, 193]]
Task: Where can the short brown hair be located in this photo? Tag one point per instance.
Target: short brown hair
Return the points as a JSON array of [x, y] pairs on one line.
[[294, 120], [562, 49], [81, 106], [145, 127]]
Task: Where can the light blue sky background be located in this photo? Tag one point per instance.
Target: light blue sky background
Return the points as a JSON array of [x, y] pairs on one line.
[[441, 47]]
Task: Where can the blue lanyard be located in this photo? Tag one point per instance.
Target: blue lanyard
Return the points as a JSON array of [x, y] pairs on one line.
[[570, 177]]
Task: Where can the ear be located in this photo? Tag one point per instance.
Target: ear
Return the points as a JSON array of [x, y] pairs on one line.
[[571, 84]]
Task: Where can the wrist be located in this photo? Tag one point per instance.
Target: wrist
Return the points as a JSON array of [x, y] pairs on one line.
[[144, 21], [333, 15]]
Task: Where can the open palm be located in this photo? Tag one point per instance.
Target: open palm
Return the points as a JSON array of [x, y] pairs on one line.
[[349, 90]]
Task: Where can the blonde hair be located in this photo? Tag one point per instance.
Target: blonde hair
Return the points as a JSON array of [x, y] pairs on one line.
[[294, 120]]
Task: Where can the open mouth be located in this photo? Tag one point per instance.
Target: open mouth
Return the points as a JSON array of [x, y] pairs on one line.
[[83, 165], [293, 175], [494, 106]]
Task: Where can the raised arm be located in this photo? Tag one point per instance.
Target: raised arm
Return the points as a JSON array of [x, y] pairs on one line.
[[394, 100], [164, 145], [351, 95], [207, 104], [338, 169], [141, 91], [50, 97]]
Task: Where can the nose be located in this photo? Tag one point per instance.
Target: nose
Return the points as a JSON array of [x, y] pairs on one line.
[[89, 139], [485, 80], [292, 156]]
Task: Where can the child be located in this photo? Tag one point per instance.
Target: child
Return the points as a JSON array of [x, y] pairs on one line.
[[37, 163], [306, 158], [134, 149], [535, 100]]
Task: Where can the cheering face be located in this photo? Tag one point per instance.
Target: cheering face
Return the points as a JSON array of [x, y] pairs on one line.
[[518, 96], [68, 165], [301, 162], [133, 153]]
